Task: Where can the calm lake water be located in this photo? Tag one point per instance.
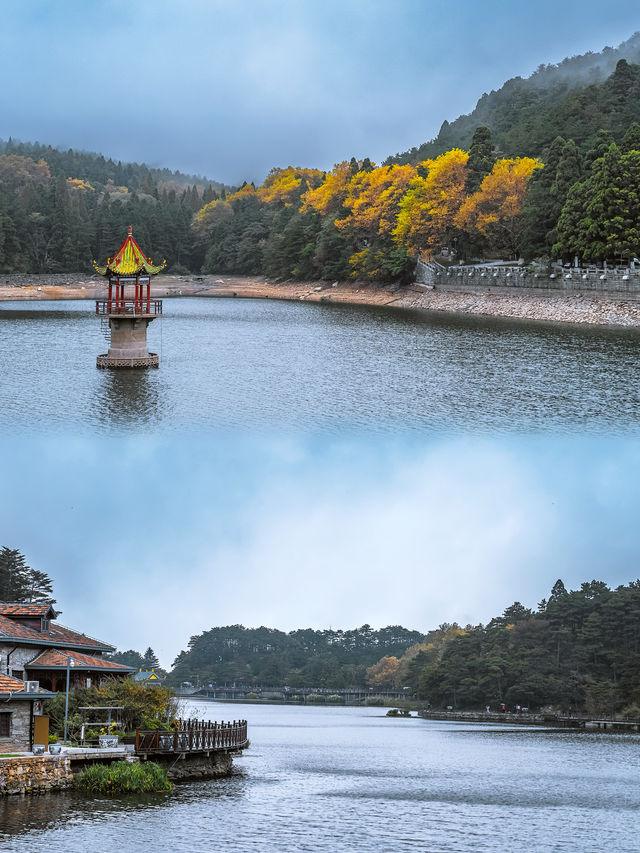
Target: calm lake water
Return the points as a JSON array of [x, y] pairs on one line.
[[227, 363], [349, 779]]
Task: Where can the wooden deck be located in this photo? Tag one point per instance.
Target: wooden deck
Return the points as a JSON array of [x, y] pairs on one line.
[[193, 736]]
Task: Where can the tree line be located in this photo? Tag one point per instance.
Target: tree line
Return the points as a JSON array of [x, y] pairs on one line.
[[302, 658], [60, 210], [578, 652], [573, 98]]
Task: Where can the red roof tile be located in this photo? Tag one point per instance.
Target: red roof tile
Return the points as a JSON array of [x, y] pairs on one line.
[[27, 610], [55, 659], [14, 685], [57, 635]]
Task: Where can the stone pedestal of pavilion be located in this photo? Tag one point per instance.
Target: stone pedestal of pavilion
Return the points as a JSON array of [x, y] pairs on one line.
[[129, 313], [128, 329]]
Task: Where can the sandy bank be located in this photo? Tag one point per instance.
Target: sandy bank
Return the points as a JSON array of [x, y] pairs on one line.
[[611, 310]]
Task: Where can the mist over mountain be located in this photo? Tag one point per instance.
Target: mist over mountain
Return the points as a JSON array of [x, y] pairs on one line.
[[526, 114]]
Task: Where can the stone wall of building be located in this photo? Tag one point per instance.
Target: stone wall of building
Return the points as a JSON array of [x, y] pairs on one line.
[[19, 739], [32, 774], [20, 657]]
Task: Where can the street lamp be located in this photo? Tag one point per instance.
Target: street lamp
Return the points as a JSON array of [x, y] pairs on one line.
[[66, 698]]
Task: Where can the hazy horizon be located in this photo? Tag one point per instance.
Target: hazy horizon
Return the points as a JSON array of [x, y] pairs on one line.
[[229, 91]]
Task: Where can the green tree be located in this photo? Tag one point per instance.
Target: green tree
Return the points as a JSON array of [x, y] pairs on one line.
[[481, 158]]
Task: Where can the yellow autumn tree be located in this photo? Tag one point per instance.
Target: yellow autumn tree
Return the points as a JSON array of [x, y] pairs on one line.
[[328, 197], [210, 216], [495, 211], [79, 184], [286, 185], [428, 208], [372, 199], [382, 674], [245, 191]]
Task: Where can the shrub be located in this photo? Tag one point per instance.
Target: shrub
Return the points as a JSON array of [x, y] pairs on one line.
[[251, 695], [335, 699], [316, 698], [123, 777], [374, 701]]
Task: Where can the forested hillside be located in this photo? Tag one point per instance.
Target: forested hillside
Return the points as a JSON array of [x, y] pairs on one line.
[[573, 99], [568, 184], [580, 652], [61, 209], [303, 658]]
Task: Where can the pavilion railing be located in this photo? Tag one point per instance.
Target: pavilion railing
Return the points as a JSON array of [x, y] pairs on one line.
[[193, 736], [129, 307]]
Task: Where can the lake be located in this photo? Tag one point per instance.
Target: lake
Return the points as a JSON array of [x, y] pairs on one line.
[[258, 363], [349, 779]]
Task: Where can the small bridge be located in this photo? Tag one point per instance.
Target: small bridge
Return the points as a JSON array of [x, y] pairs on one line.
[[192, 737], [350, 695]]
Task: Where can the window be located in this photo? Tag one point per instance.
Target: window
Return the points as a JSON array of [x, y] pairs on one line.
[[45, 624], [18, 673], [5, 724]]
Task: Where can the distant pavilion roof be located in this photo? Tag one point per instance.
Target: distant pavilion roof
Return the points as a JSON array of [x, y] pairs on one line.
[[129, 260]]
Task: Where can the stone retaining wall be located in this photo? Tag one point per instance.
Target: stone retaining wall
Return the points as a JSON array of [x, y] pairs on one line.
[[197, 766], [30, 774]]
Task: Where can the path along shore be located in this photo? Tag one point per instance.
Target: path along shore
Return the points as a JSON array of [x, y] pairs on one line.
[[547, 305]]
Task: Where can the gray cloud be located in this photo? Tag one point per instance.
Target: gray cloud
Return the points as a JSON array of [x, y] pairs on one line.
[[232, 89]]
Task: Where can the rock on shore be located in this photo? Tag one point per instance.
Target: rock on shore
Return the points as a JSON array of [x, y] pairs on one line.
[[549, 306]]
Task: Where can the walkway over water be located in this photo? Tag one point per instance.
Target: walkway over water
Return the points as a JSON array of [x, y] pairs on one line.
[[192, 736]]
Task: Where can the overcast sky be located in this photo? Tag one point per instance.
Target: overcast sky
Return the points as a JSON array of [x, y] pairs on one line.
[[231, 88], [151, 539]]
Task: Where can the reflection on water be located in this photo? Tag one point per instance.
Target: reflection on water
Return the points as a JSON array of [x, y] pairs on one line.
[[248, 363], [127, 398], [350, 779]]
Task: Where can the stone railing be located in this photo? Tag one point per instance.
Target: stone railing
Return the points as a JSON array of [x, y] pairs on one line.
[[432, 274]]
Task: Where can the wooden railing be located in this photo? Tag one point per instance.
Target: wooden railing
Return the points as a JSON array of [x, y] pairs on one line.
[[193, 736], [129, 306]]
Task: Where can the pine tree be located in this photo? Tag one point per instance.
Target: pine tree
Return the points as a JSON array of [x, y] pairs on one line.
[[631, 139], [14, 575], [481, 158], [150, 659], [19, 582]]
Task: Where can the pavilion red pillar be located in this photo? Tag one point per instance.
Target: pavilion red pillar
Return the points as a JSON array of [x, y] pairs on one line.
[[148, 295], [110, 297]]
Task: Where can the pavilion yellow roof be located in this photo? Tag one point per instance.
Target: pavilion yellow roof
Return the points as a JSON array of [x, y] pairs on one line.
[[129, 260]]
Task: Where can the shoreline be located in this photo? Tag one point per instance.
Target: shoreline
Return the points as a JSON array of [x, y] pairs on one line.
[[614, 310]]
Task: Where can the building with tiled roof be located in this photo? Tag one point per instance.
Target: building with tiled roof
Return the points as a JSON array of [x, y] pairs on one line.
[[35, 648], [20, 702]]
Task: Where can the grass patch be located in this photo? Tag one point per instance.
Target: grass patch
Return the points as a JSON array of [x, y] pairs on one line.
[[123, 777], [10, 755]]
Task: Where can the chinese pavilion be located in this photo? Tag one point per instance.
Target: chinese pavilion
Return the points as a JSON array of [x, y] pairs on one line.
[[129, 313]]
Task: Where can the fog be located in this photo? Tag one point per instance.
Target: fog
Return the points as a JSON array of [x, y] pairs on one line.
[[230, 90]]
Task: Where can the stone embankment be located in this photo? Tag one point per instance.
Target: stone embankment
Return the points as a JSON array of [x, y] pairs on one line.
[[32, 774], [190, 767], [607, 310], [600, 308]]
